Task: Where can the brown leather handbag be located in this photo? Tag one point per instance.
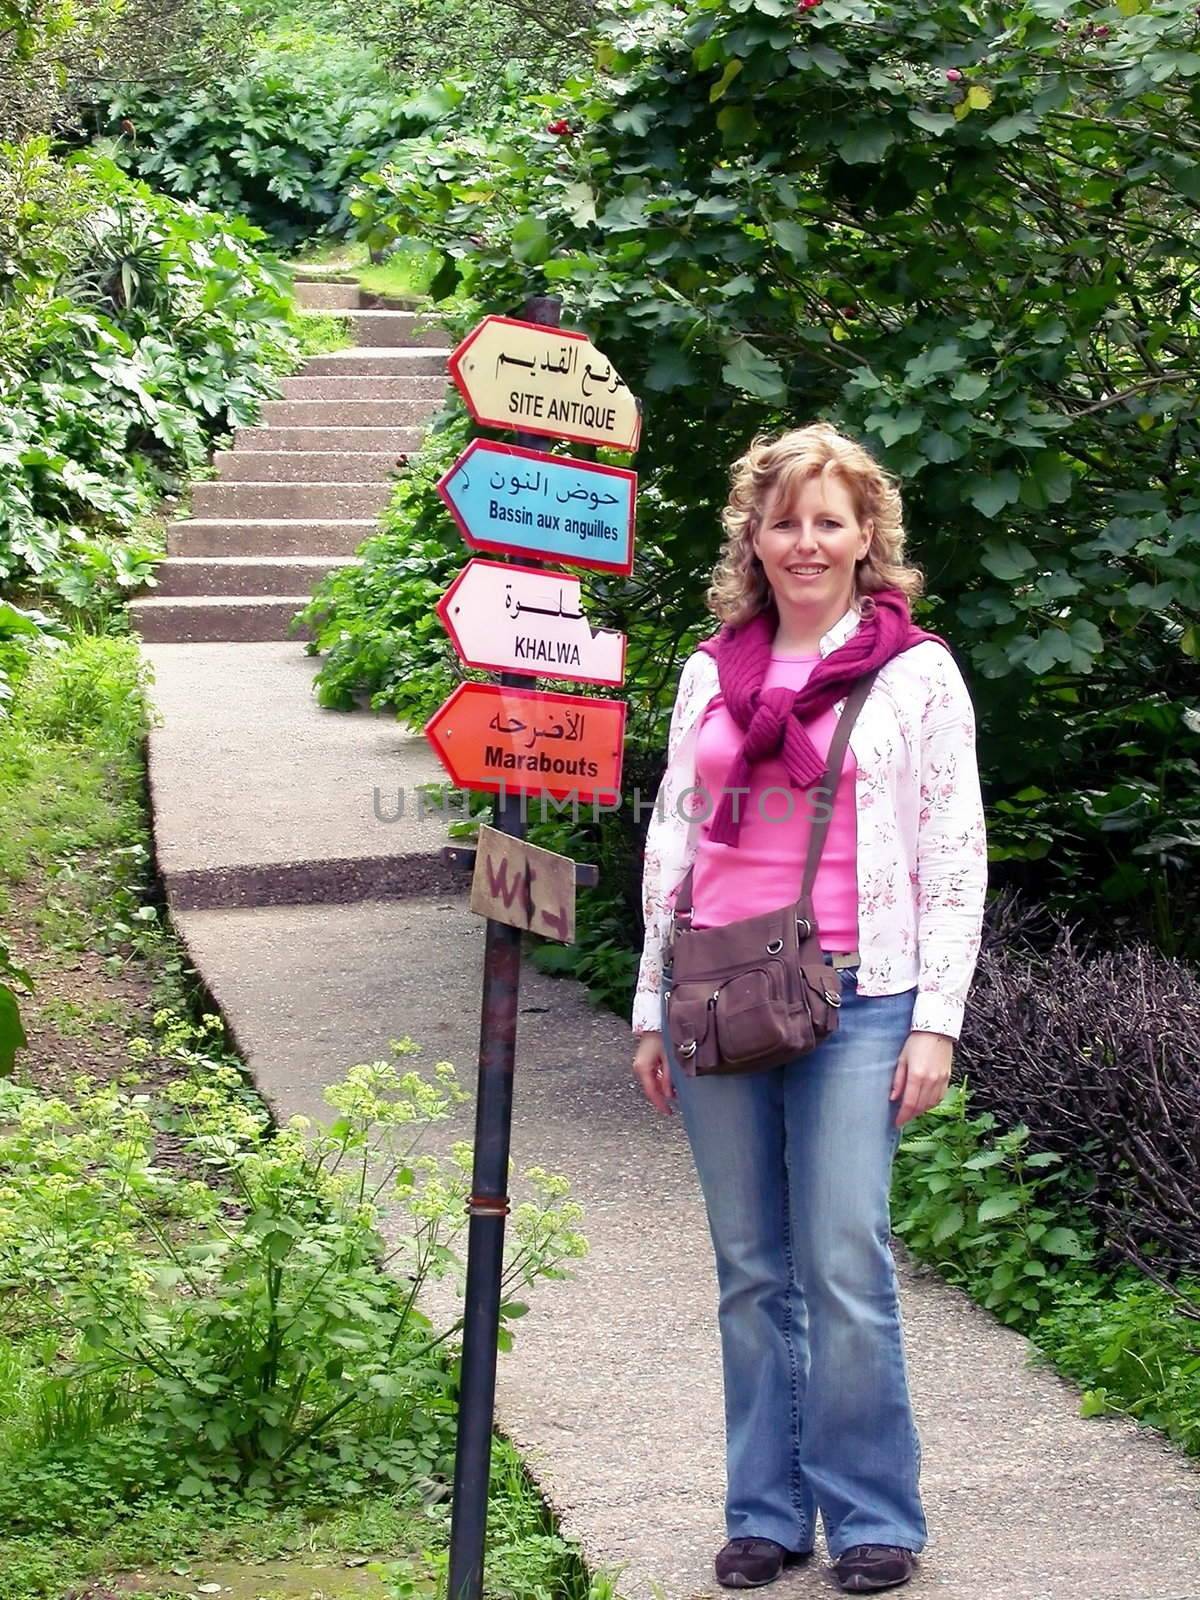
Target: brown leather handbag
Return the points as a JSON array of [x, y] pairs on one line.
[[755, 993]]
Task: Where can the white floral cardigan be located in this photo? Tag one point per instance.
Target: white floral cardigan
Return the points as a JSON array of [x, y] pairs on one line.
[[922, 856]]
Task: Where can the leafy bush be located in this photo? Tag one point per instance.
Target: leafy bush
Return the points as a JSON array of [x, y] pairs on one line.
[[277, 140], [55, 56], [765, 215], [243, 1330], [376, 621], [12, 1033], [1010, 1226], [960, 1179], [140, 330]]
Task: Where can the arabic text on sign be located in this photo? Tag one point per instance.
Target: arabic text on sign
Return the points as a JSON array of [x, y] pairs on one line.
[[487, 735], [510, 499], [520, 374], [512, 618]]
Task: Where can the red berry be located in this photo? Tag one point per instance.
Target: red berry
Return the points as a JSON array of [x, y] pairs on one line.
[[953, 75], [1102, 30], [806, 5]]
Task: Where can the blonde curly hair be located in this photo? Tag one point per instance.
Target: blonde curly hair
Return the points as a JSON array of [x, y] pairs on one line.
[[739, 588]]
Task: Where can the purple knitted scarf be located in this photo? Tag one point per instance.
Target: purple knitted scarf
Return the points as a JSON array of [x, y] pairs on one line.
[[773, 720]]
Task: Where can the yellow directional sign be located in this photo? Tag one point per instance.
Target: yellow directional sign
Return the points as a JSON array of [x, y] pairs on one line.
[[543, 380]]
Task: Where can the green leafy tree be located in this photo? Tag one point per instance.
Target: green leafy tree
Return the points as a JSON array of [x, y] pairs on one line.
[[277, 138], [967, 238]]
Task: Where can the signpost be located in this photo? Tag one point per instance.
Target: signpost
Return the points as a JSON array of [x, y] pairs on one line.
[[511, 739], [525, 502], [488, 738], [544, 380], [525, 619]]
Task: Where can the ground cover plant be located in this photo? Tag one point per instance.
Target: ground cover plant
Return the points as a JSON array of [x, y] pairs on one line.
[[1057, 1182], [1010, 1224], [134, 330], [200, 1349]]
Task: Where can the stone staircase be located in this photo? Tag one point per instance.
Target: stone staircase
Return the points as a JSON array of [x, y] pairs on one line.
[[297, 495]]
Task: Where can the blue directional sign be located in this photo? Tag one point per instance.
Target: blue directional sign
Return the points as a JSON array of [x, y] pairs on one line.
[[524, 502]]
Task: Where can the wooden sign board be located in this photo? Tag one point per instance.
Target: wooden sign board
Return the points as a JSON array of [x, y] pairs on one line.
[[523, 885], [515, 501], [542, 380], [525, 619]]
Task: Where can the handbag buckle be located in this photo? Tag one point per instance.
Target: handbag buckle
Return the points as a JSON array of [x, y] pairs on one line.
[[686, 1050], [774, 947], [803, 927], [833, 1000]]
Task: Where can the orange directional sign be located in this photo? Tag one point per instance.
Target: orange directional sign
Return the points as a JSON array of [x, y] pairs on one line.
[[488, 736], [550, 381]]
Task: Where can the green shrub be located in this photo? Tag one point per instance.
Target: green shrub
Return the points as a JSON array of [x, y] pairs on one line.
[[244, 1331], [765, 216], [147, 328], [991, 1215], [1009, 1225], [279, 139]]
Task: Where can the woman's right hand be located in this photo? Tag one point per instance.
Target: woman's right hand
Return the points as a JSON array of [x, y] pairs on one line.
[[651, 1070]]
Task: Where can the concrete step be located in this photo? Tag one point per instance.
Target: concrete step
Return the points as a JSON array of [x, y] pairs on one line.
[[278, 500], [193, 619], [395, 328], [350, 413], [305, 466], [324, 272], [267, 536], [398, 441], [243, 575], [355, 361], [408, 385], [370, 301], [327, 296]]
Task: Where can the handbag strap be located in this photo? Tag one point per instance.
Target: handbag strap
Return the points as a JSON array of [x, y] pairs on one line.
[[822, 792]]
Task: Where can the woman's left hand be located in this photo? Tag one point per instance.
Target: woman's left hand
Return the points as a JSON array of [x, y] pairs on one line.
[[922, 1073]]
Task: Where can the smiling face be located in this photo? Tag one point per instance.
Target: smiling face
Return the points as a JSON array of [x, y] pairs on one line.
[[808, 541]]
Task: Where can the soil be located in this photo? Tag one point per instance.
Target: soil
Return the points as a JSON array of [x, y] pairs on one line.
[[82, 1014], [314, 1578]]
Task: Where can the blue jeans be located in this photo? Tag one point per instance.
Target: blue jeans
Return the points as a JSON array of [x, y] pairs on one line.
[[795, 1167]]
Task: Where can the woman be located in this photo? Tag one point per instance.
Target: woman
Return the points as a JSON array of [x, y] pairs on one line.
[[795, 1162]]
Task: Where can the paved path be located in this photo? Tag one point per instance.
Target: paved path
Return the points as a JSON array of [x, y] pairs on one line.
[[613, 1388]]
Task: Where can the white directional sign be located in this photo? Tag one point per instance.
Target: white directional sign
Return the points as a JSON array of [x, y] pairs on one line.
[[526, 619]]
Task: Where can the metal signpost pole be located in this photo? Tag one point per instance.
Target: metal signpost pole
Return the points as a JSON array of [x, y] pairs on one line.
[[489, 1205]]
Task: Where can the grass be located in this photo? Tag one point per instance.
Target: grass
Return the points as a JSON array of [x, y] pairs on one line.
[[166, 1537], [406, 274], [323, 331]]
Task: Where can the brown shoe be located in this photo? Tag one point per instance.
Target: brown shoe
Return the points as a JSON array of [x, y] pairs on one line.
[[748, 1562], [874, 1566]]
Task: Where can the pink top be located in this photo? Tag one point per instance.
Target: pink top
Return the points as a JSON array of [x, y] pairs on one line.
[[764, 870]]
